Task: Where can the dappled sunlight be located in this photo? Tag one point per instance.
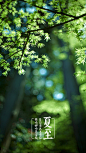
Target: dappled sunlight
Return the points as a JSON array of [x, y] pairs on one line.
[[58, 96], [43, 71], [52, 107]]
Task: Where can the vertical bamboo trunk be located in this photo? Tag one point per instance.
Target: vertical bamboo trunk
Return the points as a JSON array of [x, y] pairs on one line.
[[77, 111], [10, 110]]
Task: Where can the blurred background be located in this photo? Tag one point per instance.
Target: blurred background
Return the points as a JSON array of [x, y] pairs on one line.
[[42, 92]]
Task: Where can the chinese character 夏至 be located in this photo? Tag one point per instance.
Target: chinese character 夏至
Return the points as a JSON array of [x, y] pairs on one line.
[[47, 125]]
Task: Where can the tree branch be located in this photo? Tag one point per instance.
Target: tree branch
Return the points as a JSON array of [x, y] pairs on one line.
[[59, 24], [75, 17], [24, 48], [62, 13]]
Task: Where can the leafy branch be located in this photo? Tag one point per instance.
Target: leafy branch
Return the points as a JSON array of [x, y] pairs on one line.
[[62, 13], [24, 48], [36, 28], [59, 24]]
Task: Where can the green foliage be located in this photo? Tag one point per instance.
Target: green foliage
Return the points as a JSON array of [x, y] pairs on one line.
[[62, 56], [80, 53], [21, 133], [63, 142], [71, 15], [53, 107], [83, 93]]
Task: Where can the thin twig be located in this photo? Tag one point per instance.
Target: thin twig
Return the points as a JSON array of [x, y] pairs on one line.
[[24, 49]]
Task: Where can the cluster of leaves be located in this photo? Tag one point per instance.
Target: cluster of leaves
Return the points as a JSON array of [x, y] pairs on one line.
[[80, 53], [21, 133], [16, 43]]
